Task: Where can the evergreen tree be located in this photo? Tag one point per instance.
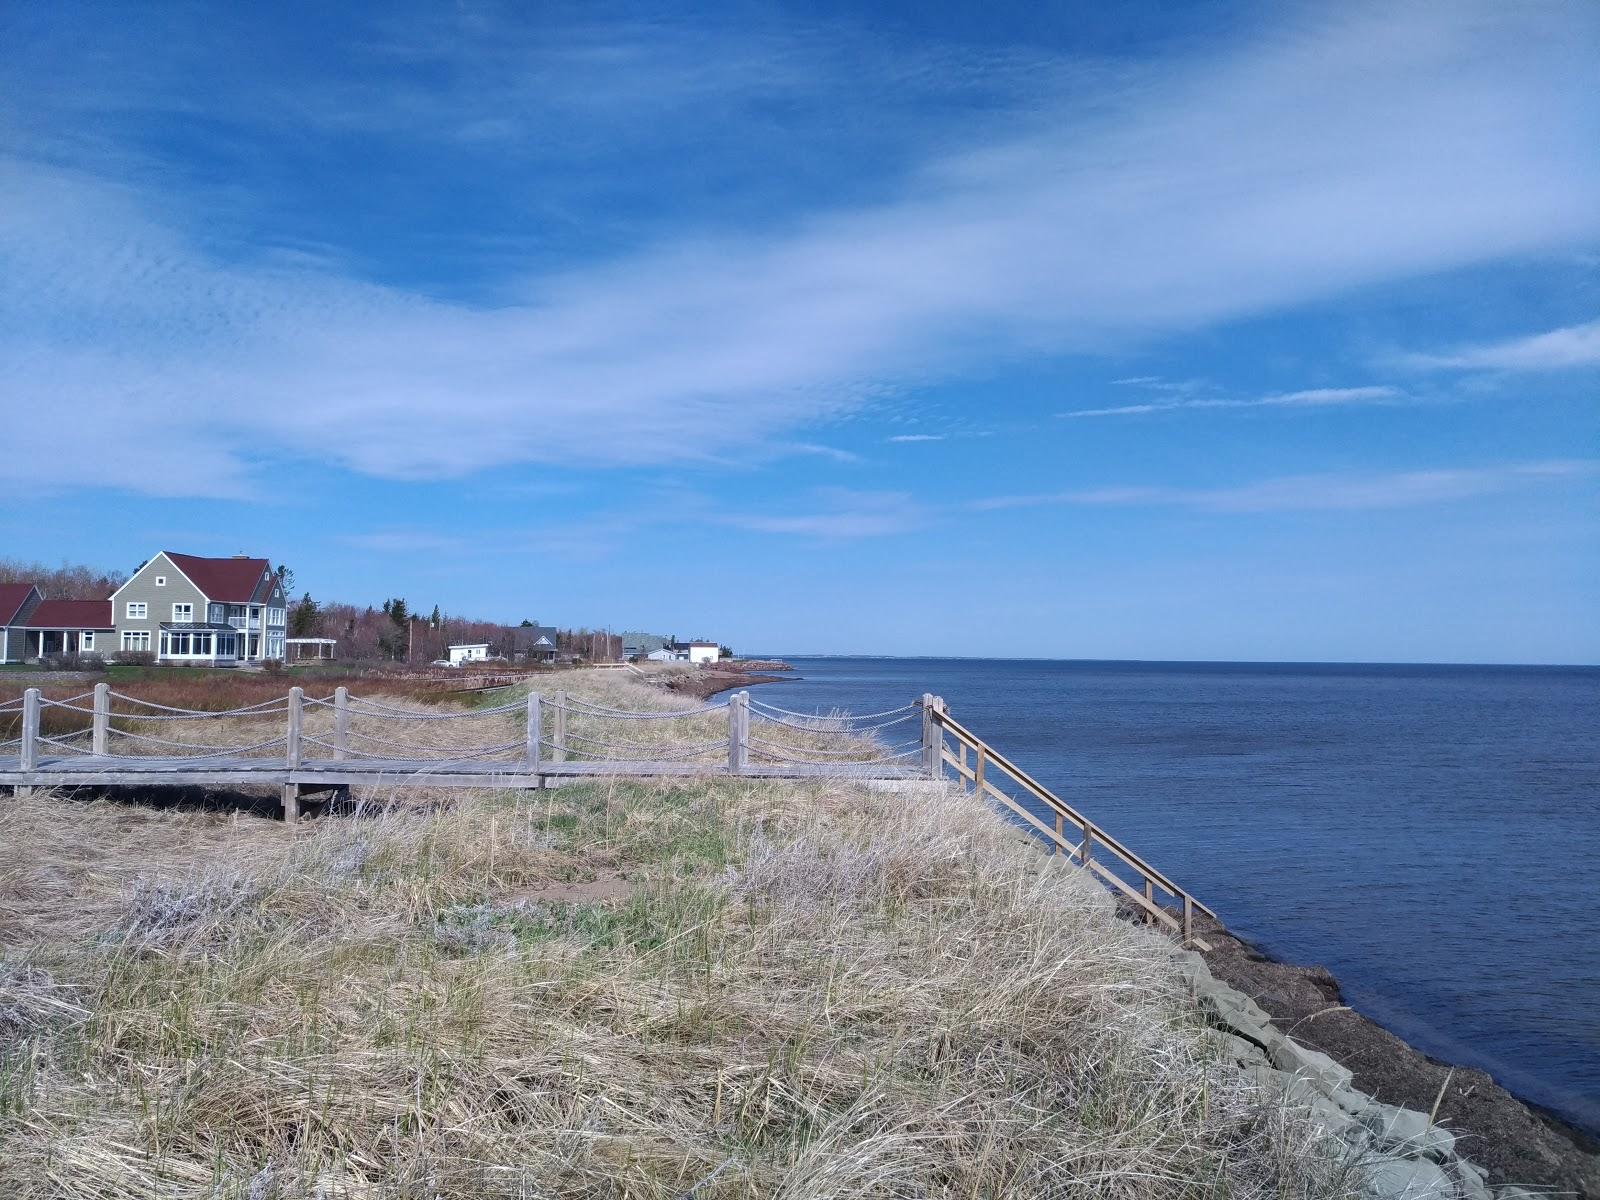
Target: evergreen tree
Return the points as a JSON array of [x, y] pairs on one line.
[[436, 620], [303, 617]]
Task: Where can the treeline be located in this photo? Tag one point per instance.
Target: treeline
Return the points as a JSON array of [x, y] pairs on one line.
[[394, 632], [66, 582]]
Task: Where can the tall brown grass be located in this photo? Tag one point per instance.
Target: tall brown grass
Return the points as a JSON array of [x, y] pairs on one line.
[[698, 988]]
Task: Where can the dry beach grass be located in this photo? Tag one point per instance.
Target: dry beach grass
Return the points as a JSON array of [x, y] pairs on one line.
[[706, 988]]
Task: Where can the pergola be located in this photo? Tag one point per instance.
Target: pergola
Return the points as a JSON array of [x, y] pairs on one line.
[[300, 649]]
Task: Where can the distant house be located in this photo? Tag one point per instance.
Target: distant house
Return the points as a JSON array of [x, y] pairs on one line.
[[533, 644], [17, 600], [700, 652], [31, 625], [638, 644], [662, 654], [202, 611], [468, 652]]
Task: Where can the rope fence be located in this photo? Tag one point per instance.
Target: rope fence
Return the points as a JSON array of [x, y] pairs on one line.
[[559, 734]]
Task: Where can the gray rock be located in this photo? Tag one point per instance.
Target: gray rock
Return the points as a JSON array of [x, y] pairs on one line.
[[1329, 1076], [1470, 1181], [1405, 1131], [1408, 1179], [1240, 1050]]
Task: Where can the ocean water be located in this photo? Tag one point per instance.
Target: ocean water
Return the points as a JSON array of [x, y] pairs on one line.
[[1430, 834]]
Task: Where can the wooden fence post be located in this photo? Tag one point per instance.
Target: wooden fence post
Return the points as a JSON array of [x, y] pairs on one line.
[[102, 719], [980, 762], [738, 732], [1086, 851], [1188, 919], [558, 747], [1061, 834], [296, 716], [535, 731], [341, 723], [28, 752], [932, 739]]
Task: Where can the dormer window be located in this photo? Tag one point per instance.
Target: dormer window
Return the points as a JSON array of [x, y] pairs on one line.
[[161, 581]]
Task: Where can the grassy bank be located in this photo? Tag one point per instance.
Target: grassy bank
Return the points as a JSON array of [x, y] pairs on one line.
[[723, 988]]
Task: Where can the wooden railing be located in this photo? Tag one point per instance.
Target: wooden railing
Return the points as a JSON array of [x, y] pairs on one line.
[[949, 744]]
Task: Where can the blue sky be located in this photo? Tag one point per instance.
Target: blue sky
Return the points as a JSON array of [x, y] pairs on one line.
[[1214, 331]]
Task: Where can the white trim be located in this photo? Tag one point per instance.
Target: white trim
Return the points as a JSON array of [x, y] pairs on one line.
[[161, 581], [129, 615], [140, 638], [187, 619], [83, 645]]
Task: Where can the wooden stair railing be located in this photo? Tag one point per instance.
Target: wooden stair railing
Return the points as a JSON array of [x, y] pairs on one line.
[[974, 762]]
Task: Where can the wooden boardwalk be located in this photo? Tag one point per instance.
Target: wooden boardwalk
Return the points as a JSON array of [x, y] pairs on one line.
[[153, 771], [557, 739]]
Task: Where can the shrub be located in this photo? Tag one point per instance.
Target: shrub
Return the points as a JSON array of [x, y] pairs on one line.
[[72, 662], [136, 658]]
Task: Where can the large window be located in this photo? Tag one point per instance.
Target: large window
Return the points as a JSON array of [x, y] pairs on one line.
[[138, 610], [276, 616], [136, 639], [183, 612], [86, 640]]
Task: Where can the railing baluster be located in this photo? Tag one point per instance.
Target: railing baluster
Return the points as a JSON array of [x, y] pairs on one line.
[[28, 753], [101, 738], [292, 738], [341, 723], [535, 731], [738, 732], [932, 739]]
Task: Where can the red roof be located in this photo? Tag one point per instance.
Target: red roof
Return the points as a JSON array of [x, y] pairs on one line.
[[12, 597], [71, 614], [224, 580]]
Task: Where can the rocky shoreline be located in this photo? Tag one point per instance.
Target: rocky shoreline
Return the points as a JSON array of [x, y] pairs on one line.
[[1432, 1131], [705, 683]]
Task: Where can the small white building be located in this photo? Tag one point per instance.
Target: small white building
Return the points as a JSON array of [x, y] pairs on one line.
[[469, 652], [662, 654], [700, 652]]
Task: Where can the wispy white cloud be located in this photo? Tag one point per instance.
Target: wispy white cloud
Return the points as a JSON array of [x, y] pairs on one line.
[[1559, 349], [1311, 398], [1316, 492], [840, 513], [917, 437], [1373, 144]]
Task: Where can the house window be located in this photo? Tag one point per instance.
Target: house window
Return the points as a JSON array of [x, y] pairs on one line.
[[183, 612], [136, 639], [138, 610], [86, 640], [161, 581]]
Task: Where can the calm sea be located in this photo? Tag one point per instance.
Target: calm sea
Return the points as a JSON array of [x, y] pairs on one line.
[[1429, 834]]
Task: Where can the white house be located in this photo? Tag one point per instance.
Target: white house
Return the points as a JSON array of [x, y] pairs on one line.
[[662, 654], [468, 652], [700, 652]]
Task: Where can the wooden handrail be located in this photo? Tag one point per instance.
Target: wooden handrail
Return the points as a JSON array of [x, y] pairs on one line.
[[986, 758]]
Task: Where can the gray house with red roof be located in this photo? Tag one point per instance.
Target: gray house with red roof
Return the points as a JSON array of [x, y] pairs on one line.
[[33, 625], [185, 609]]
